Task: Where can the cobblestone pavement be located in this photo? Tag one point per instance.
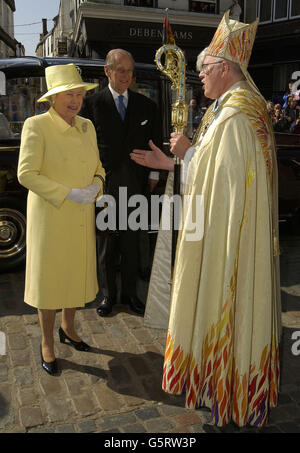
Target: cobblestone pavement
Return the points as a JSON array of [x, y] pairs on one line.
[[116, 388]]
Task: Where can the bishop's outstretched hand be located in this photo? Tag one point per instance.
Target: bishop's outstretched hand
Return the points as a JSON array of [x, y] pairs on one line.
[[155, 158]]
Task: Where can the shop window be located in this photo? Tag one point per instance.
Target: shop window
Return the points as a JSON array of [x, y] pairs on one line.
[[280, 10], [202, 7], [295, 8], [143, 3], [265, 10], [276, 10]]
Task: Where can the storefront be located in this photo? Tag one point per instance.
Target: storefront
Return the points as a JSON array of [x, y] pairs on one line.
[[140, 33]]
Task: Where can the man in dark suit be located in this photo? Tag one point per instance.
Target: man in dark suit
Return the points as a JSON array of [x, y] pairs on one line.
[[124, 120]]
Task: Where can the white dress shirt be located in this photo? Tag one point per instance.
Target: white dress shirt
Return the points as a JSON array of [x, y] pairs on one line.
[[116, 95], [153, 174]]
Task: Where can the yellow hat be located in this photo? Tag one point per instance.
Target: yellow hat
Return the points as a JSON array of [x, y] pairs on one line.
[[233, 41], [61, 78]]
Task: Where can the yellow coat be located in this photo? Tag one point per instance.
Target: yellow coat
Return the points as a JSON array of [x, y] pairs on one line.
[[61, 269]]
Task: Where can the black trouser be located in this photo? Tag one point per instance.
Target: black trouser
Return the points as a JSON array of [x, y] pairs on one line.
[[111, 248]]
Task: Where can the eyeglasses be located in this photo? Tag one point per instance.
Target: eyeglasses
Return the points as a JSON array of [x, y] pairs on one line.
[[204, 67]]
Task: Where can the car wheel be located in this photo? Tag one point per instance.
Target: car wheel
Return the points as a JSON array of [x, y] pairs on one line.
[[12, 232]]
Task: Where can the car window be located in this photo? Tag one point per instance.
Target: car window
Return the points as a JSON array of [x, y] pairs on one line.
[[20, 102], [149, 89]]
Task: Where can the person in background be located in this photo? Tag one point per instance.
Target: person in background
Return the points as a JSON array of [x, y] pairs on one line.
[[295, 127], [279, 121], [291, 112], [224, 323], [270, 108], [124, 120], [288, 94], [59, 164]]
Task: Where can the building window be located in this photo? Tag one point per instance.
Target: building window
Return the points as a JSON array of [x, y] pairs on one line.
[[281, 10], [143, 3], [265, 10], [294, 8], [202, 7], [276, 10], [5, 16]]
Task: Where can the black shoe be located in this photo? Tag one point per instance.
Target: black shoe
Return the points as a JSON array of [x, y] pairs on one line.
[[79, 345], [134, 303], [105, 306], [50, 367]]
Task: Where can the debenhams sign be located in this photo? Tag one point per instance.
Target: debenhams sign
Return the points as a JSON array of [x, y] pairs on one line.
[[131, 31], [137, 32]]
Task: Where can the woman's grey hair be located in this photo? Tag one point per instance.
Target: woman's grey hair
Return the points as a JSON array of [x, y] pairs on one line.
[[113, 54], [51, 99]]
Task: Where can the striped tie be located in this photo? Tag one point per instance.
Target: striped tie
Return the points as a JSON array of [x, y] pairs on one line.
[[121, 106]]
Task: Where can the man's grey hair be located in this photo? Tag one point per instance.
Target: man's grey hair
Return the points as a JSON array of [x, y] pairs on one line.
[[200, 59], [113, 54]]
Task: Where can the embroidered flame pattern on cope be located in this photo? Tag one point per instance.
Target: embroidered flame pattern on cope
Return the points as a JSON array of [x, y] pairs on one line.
[[216, 382], [254, 107]]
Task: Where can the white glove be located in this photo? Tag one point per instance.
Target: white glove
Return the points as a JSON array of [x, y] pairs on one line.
[[93, 190], [84, 196]]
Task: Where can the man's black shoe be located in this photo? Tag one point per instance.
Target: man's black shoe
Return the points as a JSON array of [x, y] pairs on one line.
[[105, 306], [134, 303]]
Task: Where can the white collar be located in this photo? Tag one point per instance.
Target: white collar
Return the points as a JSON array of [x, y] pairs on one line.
[[116, 95]]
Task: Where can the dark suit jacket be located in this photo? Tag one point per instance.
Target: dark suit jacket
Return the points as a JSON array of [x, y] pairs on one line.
[[117, 139]]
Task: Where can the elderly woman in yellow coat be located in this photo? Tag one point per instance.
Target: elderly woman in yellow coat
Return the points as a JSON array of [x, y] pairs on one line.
[[59, 164]]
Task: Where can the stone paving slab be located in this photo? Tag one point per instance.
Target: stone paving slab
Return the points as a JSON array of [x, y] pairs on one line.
[[116, 388]]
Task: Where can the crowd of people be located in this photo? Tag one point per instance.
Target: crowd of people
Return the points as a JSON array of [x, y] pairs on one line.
[[285, 116]]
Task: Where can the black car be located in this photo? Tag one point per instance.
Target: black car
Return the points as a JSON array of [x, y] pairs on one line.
[[23, 82]]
